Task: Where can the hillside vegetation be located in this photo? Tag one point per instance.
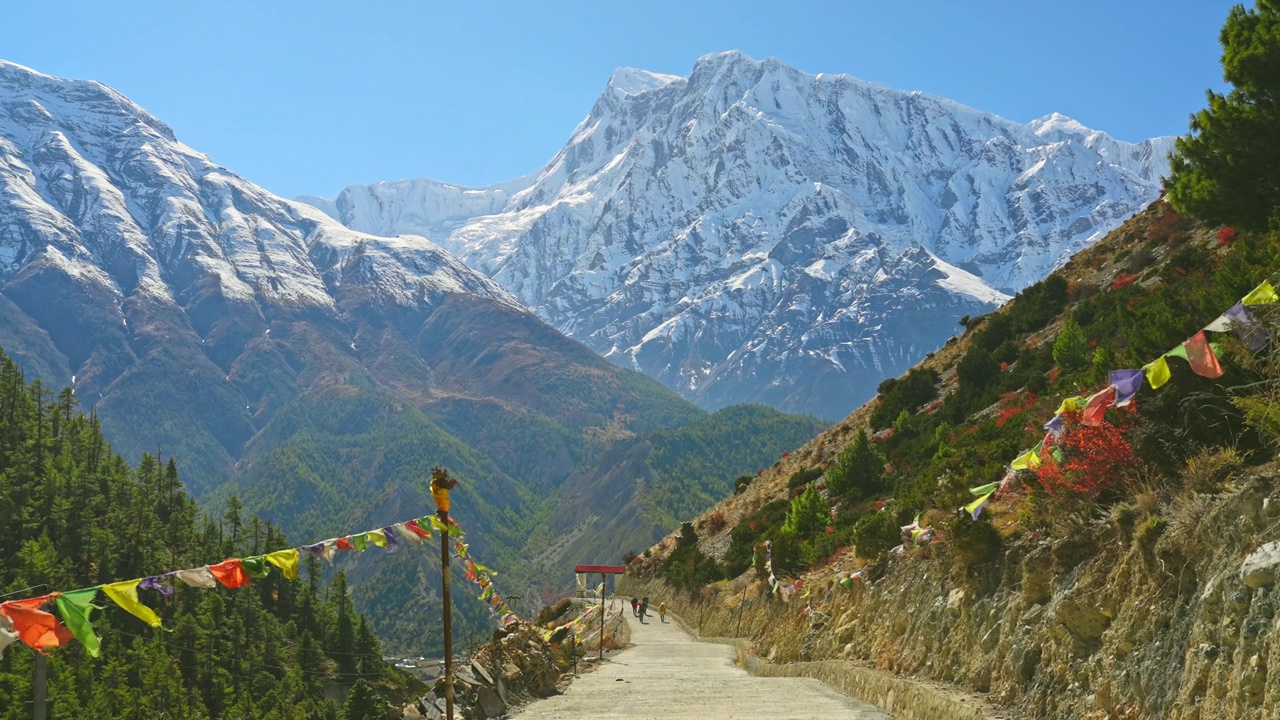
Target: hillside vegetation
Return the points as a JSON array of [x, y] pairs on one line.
[[76, 515]]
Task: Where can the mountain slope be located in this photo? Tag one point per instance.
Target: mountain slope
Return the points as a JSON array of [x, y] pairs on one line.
[[755, 233]]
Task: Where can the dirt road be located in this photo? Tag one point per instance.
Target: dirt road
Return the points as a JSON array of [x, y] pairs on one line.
[[669, 675]]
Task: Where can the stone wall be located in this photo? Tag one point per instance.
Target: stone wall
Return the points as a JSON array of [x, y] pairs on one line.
[[1177, 621]]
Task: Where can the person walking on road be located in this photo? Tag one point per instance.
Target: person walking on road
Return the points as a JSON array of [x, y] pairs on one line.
[[635, 607], [644, 609], [662, 611]]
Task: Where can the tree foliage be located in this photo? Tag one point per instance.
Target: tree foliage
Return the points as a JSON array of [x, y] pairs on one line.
[[1070, 349], [858, 470], [1227, 170], [76, 515]]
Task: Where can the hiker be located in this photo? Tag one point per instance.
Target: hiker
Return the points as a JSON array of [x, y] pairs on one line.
[[644, 609], [635, 607], [662, 611]]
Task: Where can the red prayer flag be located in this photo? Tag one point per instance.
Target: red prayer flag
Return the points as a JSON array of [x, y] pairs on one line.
[[1200, 355], [230, 573], [1096, 408], [344, 543], [37, 628], [417, 529]]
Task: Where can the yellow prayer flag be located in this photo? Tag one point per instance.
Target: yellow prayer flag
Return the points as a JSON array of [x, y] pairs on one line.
[[1026, 461], [287, 561], [125, 594], [1071, 403], [1264, 294], [975, 508], [1157, 372], [377, 538]]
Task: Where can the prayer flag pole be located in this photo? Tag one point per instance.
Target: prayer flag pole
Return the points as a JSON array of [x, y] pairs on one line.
[[441, 484], [41, 681]]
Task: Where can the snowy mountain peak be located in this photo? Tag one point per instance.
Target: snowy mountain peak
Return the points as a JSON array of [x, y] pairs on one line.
[[757, 233], [633, 81]]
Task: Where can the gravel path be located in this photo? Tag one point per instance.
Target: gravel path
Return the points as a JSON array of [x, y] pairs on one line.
[[669, 675]]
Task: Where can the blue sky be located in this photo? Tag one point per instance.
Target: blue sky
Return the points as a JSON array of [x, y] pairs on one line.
[[307, 97]]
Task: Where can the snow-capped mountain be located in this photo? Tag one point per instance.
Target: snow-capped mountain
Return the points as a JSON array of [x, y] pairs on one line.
[[756, 233]]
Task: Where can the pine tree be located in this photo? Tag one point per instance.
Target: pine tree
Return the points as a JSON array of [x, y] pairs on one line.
[[1227, 170], [1070, 350], [858, 470], [809, 514]]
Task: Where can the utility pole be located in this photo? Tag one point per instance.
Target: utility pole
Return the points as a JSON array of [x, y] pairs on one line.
[[38, 706]]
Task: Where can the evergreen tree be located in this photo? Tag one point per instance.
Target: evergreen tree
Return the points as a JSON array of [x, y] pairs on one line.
[[1070, 350], [808, 515], [858, 470], [1227, 170], [364, 703]]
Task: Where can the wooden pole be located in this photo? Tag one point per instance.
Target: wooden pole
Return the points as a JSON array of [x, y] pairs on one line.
[[448, 626], [38, 706], [603, 581], [741, 603]]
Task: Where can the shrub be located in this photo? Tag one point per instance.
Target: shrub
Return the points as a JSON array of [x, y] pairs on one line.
[[1209, 468], [875, 534], [551, 613], [740, 485], [1149, 532], [803, 477], [1095, 459], [1069, 350], [973, 541], [715, 523]]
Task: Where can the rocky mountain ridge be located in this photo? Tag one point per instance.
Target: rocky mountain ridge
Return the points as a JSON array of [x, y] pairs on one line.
[[756, 233]]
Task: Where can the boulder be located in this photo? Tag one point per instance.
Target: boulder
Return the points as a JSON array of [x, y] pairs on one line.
[[1259, 569]]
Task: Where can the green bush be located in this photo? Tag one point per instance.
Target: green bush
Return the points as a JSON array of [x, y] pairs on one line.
[[858, 470], [876, 534], [803, 477]]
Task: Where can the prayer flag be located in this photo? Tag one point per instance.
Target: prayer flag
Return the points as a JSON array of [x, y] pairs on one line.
[[198, 578], [1264, 294], [125, 594], [230, 573], [846, 583], [1199, 353], [1055, 425], [1222, 323], [75, 609], [1070, 404], [1127, 383], [389, 536], [417, 529], [155, 582], [983, 489], [436, 525], [1178, 352], [1157, 372], [1096, 409], [344, 543], [35, 627], [377, 538], [287, 561], [1028, 460], [8, 635], [1246, 327], [256, 566], [975, 508], [322, 550], [361, 541], [409, 536]]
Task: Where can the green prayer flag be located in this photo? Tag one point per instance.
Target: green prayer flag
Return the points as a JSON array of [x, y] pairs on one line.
[[980, 490], [360, 541], [256, 566], [1028, 460], [75, 608], [437, 524], [1178, 352]]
